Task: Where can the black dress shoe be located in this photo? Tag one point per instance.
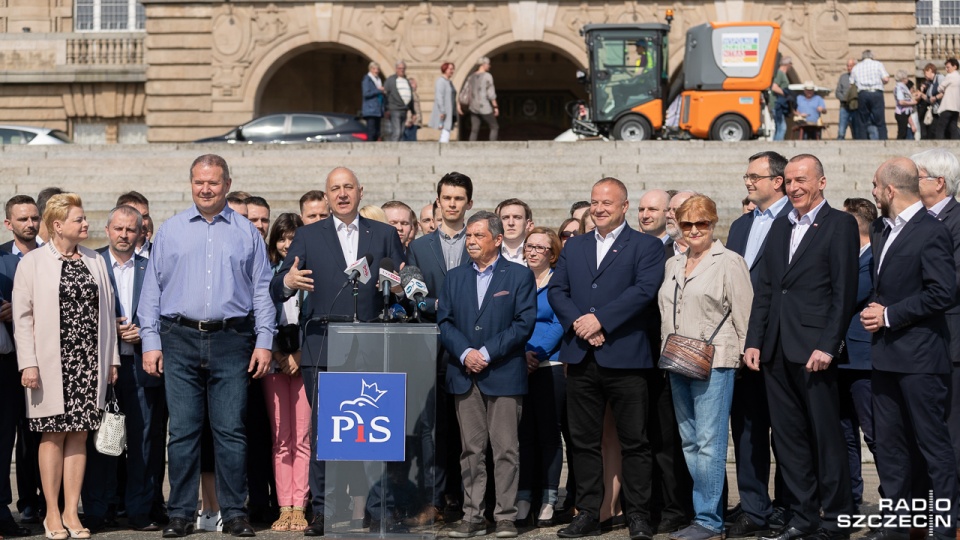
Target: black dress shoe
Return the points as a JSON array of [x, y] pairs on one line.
[[826, 534], [744, 526], [9, 527], [613, 523], [178, 528], [143, 524], [673, 524], [582, 525], [640, 528], [315, 528], [788, 533], [239, 527]]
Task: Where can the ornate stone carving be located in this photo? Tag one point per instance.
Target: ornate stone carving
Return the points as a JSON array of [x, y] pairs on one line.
[[831, 35], [427, 34], [240, 34]]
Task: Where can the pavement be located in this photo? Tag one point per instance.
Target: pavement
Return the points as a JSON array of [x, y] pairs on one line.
[[871, 498]]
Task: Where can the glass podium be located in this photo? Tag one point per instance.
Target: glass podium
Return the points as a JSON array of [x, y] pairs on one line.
[[375, 428]]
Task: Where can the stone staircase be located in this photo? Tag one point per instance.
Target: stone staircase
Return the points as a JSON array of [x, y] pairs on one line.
[[547, 175]]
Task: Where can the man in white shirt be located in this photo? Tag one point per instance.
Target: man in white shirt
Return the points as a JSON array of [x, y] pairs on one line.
[[652, 213], [870, 76], [517, 218], [398, 95], [23, 220]]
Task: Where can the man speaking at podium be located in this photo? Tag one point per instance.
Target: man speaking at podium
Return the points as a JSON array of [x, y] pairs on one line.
[[315, 263]]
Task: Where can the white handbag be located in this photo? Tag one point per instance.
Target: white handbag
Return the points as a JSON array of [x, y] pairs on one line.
[[111, 438]]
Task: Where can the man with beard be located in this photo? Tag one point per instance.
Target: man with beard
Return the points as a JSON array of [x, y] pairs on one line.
[[23, 220], [676, 244]]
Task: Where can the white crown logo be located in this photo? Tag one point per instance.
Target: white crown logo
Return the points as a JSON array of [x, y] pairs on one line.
[[371, 392]]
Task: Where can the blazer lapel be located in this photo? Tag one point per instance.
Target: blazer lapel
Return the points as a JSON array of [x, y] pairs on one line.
[[434, 241], [330, 233], [614, 250], [139, 270], [715, 249], [901, 238], [783, 212], [363, 244], [498, 274], [950, 207], [113, 283], [807, 237], [590, 254]]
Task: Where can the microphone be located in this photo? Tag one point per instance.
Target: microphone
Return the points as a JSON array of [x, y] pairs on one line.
[[360, 269], [387, 279], [413, 286]]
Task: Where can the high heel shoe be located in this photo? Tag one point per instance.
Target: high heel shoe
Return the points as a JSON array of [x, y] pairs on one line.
[[79, 534], [62, 534]]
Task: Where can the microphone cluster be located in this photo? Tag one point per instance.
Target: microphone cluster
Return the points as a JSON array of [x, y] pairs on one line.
[[410, 278]]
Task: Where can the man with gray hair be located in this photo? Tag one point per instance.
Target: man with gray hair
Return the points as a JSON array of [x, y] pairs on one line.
[[487, 370], [676, 244], [869, 75], [372, 106], [398, 95], [939, 172], [483, 100]]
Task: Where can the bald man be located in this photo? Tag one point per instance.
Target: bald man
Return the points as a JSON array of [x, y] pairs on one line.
[[652, 213]]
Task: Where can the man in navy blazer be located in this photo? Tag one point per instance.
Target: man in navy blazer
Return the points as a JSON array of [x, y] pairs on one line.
[[435, 254], [487, 313], [802, 307], [139, 395], [315, 262], [749, 412], [604, 292], [371, 109], [914, 284], [853, 381], [939, 177]]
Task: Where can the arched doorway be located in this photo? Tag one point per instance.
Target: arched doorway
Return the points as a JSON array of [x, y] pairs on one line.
[[534, 85], [319, 79]]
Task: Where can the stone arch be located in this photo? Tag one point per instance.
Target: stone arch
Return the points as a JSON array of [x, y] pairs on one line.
[[573, 49]]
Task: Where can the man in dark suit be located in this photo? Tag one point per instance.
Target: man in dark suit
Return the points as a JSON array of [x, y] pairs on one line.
[[604, 293], [914, 283], [486, 316], [436, 254], [802, 306], [315, 263], [856, 398], [139, 395], [23, 221], [11, 400], [749, 412], [939, 177]]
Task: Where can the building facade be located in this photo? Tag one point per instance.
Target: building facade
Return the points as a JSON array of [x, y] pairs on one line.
[[175, 70]]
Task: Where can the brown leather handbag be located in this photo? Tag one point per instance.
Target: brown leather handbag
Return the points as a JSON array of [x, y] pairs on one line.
[[688, 356]]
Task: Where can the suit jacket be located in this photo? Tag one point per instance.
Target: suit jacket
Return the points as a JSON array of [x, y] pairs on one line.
[[426, 254], [950, 216], [318, 249], [622, 293], [857, 340], [916, 283], [668, 250], [372, 98], [503, 324], [739, 235], [806, 304], [7, 247], [8, 269], [139, 270]]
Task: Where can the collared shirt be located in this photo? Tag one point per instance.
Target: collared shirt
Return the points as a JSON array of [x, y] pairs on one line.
[[604, 243], [144, 250], [452, 247], [801, 224], [896, 225], [349, 236], [484, 277], [762, 221], [123, 275], [207, 271], [868, 75], [665, 238], [937, 208], [15, 249], [516, 256]]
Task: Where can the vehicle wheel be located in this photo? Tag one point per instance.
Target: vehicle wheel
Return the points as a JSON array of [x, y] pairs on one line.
[[730, 128], [632, 128]]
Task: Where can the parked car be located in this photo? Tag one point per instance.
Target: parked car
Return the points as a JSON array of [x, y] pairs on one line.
[[32, 135], [296, 128]]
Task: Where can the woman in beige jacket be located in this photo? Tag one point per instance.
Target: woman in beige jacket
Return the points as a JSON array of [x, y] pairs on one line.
[[701, 286], [66, 335]]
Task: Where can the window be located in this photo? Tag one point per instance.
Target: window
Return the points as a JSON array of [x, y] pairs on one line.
[[949, 12], [108, 15], [308, 125], [938, 13], [264, 129], [925, 13]]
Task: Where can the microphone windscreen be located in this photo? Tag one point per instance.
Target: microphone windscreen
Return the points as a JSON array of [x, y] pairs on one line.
[[416, 273], [406, 274], [386, 263], [369, 259]]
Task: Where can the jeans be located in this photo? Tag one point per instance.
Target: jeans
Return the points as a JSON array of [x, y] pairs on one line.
[[541, 452], [703, 408], [846, 119], [397, 121], [410, 133], [491, 121], [289, 413], [781, 128], [871, 111], [373, 128], [207, 367]]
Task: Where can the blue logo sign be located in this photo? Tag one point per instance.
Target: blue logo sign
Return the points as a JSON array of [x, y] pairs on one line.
[[361, 416]]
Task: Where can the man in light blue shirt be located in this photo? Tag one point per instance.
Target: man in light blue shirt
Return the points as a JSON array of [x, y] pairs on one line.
[[207, 324]]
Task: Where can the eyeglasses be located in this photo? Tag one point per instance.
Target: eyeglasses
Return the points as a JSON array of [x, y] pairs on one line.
[[568, 234], [700, 225], [535, 248], [752, 178], [928, 177]]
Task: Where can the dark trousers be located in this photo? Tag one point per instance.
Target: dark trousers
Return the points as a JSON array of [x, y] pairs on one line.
[[953, 414], [541, 451], [805, 415], [947, 125], [911, 430], [317, 468], [672, 488], [856, 413], [873, 124], [260, 479], [373, 128], [589, 388], [491, 121], [750, 427], [902, 126], [11, 410], [29, 489]]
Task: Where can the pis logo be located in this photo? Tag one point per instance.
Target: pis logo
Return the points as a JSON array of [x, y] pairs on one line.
[[379, 425], [361, 416]]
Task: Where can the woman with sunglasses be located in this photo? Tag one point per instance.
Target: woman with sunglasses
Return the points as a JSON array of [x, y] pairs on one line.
[[706, 291], [568, 229], [541, 453]]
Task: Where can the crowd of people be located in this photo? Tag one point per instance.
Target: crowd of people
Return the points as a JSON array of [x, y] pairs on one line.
[[822, 322]]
